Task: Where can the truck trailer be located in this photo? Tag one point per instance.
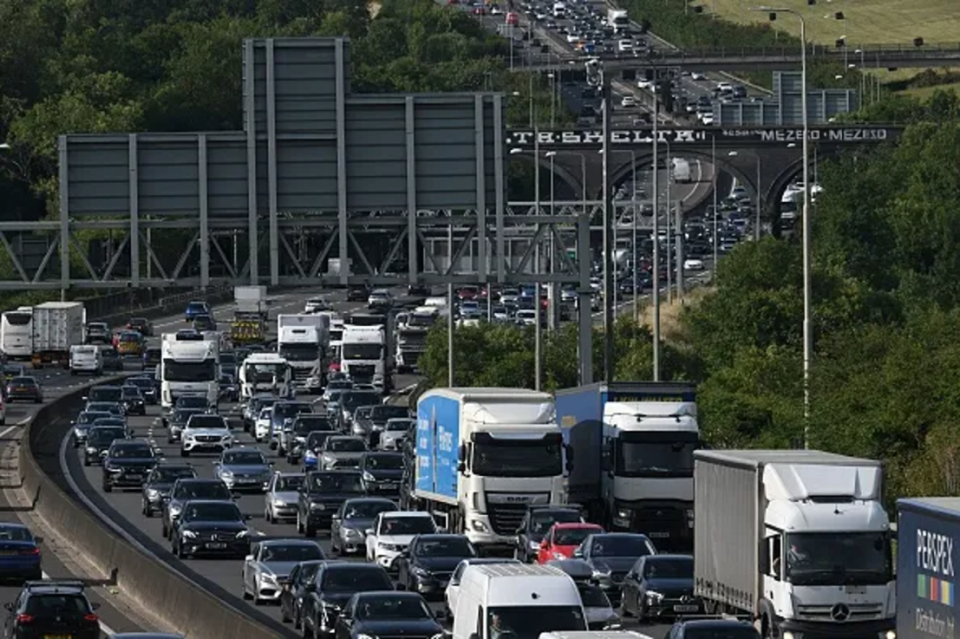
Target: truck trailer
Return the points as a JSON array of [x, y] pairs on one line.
[[251, 300], [484, 455], [798, 540], [926, 574], [56, 327], [633, 444]]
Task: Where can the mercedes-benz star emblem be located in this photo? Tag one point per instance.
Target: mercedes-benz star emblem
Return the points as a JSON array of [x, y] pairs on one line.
[[214, 537], [840, 612]]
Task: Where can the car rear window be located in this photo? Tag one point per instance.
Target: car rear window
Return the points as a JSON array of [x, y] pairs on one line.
[[52, 604]]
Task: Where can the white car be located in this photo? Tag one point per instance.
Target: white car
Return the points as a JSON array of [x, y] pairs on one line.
[[270, 562], [697, 76], [625, 46], [527, 317], [315, 305], [706, 119], [261, 427], [394, 431], [205, 434], [628, 101], [645, 85], [693, 265], [392, 533], [453, 587]]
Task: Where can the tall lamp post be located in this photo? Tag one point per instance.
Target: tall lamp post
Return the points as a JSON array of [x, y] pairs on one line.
[[805, 228], [759, 187], [583, 196]]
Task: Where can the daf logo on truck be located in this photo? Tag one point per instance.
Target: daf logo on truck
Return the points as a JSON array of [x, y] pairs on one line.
[[934, 552]]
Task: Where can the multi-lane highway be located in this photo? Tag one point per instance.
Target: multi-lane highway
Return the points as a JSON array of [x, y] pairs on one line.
[[123, 508]]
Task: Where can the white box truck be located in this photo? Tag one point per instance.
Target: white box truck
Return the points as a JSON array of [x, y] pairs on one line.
[[618, 20], [304, 341], [56, 327], [250, 299], [796, 539], [483, 455]]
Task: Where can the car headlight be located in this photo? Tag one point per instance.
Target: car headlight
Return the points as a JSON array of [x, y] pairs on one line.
[[269, 578], [318, 506], [391, 547], [368, 476], [479, 526], [189, 534], [91, 450], [623, 513], [420, 572], [175, 509], [654, 597], [351, 532], [599, 573], [153, 494], [559, 555], [279, 503], [226, 473], [533, 545], [365, 636], [242, 534]]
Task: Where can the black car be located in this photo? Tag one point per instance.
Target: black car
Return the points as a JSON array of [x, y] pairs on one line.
[[381, 413], [333, 586], [177, 421], [321, 494], [660, 586], [193, 401], [83, 424], [298, 585], [24, 389], [207, 527], [105, 393], [151, 357], [158, 484], [98, 333], [147, 389], [141, 325], [185, 490], [127, 464], [381, 473], [229, 389], [303, 425], [111, 359], [713, 629], [427, 563], [358, 294], [133, 400], [612, 555], [536, 522], [376, 614], [99, 439], [52, 609]]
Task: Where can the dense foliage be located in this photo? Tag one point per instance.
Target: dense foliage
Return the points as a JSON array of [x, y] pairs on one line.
[[886, 321]]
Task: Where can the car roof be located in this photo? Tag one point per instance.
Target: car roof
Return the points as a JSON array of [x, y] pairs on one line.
[[576, 525], [211, 501], [409, 514], [201, 480], [288, 541]]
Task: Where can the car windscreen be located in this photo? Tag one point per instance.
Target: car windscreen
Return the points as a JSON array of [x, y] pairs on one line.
[[104, 394]]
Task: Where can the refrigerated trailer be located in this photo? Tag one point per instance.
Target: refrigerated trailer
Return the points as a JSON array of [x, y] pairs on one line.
[[56, 327]]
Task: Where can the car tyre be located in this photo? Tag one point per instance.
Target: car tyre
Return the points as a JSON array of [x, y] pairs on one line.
[[107, 488], [184, 452], [267, 516]]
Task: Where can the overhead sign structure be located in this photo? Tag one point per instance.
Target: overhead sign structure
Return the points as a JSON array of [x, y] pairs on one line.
[[700, 135]]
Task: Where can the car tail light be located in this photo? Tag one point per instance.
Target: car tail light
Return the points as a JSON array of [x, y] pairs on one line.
[[30, 551], [91, 618], [24, 618]]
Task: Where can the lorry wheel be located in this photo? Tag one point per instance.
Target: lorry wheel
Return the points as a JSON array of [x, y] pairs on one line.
[[766, 628]]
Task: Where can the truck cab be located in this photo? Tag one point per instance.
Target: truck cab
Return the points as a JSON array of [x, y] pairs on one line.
[[188, 366], [265, 373], [303, 341], [411, 339]]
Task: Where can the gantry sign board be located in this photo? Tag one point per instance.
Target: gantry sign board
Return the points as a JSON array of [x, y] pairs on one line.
[[699, 136], [310, 147]]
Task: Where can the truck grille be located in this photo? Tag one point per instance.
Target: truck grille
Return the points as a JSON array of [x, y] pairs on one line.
[[661, 518], [506, 518], [825, 612], [301, 373]]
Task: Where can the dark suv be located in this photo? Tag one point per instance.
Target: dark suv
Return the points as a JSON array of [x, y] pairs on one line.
[[321, 494], [127, 464], [536, 522], [52, 609], [332, 588]]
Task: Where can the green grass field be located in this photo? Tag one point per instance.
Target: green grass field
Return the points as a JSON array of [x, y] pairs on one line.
[[865, 21], [922, 93]]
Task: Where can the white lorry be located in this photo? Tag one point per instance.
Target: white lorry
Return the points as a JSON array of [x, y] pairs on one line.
[[618, 20], [188, 366], [365, 353], [796, 539], [303, 340], [16, 333], [56, 327], [483, 456], [265, 373], [680, 169], [411, 336], [251, 299]]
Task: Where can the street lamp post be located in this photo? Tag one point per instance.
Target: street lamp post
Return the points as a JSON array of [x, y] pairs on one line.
[[759, 202], [716, 204], [805, 228], [656, 239]]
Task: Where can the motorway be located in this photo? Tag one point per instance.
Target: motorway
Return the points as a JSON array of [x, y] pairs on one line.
[[222, 576]]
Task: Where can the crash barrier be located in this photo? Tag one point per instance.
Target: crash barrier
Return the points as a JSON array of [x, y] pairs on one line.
[[151, 303], [171, 596]]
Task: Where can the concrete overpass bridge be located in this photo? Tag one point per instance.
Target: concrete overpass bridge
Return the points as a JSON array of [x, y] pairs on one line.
[[573, 153]]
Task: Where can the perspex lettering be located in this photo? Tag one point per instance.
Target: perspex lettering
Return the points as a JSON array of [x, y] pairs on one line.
[[934, 553], [594, 137]]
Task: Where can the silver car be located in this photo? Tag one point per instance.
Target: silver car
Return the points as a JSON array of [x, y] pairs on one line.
[[280, 500], [244, 469], [395, 431], [350, 523], [342, 451], [269, 564]]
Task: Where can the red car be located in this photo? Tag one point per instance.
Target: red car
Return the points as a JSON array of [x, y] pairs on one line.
[[562, 539]]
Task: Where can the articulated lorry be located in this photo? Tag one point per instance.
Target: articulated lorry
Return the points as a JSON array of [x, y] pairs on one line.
[[366, 354], [926, 572], [56, 327], [189, 365], [483, 455], [633, 445], [796, 539], [303, 340], [411, 336]]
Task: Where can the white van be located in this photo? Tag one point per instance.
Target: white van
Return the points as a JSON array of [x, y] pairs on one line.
[[524, 600], [86, 359]]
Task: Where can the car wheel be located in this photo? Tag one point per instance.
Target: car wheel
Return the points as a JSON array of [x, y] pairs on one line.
[[267, 516], [107, 488], [147, 510], [184, 452], [308, 530], [299, 523], [86, 460]]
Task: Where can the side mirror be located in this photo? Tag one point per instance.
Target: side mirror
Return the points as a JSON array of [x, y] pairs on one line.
[[9, 606], [235, 496], [462, 453], [461, 467], [369, 531], [248, 558]]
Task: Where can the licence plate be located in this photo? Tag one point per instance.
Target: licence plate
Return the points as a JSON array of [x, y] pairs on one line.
[[57, 636], [686, 608], [660, 535], [388, 486], [216, 545]]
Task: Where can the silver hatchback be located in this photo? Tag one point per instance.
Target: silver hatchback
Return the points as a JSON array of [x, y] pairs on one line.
[[280, 500]]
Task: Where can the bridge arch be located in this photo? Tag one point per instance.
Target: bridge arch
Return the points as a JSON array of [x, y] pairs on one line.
[[566, 177], [623, 170]]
